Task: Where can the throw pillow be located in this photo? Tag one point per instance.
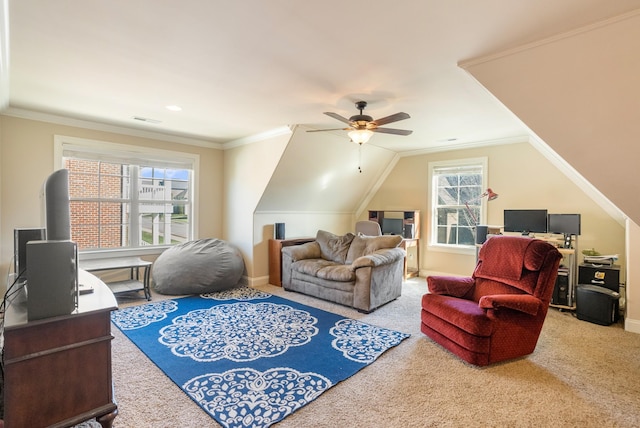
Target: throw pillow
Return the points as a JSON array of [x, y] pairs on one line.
[[334, 247], [364, 245]]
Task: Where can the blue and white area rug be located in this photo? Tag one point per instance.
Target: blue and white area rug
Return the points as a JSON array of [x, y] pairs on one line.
[[248, 358]]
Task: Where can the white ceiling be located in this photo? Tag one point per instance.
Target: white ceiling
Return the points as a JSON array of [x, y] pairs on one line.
[[241, 68]]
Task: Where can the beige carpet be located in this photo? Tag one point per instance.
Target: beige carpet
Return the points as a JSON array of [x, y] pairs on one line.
[[581, 374]]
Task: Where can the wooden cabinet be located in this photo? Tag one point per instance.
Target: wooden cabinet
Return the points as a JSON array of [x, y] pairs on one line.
[[275, 257], [57, 371], [412, 259]]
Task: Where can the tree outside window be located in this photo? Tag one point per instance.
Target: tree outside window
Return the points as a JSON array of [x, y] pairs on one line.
[[453, 187]]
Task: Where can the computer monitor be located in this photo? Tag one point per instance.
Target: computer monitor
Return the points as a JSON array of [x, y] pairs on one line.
[[392, 226], [567, 224], [525, 221]]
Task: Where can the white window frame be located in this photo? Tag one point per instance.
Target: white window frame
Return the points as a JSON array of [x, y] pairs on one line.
[[124, 153], [432, 244]]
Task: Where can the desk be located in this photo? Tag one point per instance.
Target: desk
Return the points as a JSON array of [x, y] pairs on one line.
[[58, 370], [411, 271], [134, 283]]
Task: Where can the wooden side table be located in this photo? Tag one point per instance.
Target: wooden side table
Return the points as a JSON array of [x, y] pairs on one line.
[[136, 282], [410, 271], [275, 256]]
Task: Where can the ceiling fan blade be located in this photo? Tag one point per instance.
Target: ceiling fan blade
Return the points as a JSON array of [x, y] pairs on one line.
[[332, 129], [338, 117], [393, 118], [392, 131]]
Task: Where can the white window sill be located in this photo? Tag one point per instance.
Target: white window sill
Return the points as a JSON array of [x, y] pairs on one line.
[[458, 249], [121, 252]]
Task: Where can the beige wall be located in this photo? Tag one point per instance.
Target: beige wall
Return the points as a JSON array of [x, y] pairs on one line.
[[26, 159], [247, 171], [522, 177], [632, 318]]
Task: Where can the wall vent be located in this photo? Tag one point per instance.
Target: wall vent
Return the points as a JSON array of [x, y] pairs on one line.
[[146, 119]]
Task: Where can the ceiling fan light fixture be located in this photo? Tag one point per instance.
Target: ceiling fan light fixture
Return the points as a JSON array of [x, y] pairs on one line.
[[360, 136]]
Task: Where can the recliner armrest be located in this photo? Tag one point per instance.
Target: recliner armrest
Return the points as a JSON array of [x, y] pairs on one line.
[[525, 303], [381, 257], [309, 250], [450, 285]]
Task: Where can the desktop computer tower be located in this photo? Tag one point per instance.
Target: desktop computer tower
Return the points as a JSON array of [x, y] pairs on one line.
[[561, 293], [52, 279]]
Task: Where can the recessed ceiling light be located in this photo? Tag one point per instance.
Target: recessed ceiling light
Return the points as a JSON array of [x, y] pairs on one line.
[[174, 108]]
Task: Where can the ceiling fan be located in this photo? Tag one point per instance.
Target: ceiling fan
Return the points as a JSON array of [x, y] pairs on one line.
[[361, 126]]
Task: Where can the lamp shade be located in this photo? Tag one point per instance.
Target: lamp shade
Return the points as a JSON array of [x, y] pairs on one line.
[[489, 194]]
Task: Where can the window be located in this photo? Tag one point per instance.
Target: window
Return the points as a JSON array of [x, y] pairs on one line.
[[454, 185], [122, 199]]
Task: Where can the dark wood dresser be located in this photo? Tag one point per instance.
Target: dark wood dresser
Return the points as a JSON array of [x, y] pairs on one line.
[[57, 371]]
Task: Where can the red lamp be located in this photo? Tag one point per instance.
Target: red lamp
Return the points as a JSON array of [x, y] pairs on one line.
[[489, 194]]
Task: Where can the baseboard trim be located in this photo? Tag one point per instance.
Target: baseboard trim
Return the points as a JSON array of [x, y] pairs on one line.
[[254, 281], [632, 325]]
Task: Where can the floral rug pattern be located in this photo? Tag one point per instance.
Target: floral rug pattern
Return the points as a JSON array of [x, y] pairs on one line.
[[250, 359]]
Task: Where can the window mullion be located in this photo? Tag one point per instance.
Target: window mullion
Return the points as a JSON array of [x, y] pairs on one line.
[[135, 226]]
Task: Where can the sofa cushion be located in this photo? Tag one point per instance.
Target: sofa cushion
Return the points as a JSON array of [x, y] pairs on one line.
[[325, 269], [364, 245], [334, 247], [311, 266], [338, 273]]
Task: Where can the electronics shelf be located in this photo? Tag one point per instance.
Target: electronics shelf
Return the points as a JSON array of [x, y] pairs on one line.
[[135, 282], [406, 224]]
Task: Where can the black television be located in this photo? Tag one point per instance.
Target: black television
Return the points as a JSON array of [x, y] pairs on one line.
[[20, 239], [392, 226], [566, 224], [525, 221]]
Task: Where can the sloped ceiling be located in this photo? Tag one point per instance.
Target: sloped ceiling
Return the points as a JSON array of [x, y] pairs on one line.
[[322, 172], [580, 94], [241, 68]]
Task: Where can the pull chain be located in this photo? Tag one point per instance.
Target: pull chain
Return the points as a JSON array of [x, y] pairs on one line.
[[360, 158]]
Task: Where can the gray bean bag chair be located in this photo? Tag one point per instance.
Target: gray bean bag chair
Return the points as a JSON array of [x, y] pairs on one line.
[[197, 267]]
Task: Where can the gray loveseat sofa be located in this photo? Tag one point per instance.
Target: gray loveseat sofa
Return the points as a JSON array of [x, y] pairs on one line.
[[363, 272]]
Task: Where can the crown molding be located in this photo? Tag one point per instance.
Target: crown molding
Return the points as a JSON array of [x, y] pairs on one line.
[[105, 127], [468, 145], [287, 129], [548, 40]]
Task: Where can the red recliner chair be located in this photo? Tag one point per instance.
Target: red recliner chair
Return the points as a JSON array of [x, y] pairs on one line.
[[498, 312]]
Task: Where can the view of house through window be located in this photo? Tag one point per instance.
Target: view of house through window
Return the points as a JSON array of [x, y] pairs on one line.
[[116, 205], [454, 187]]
